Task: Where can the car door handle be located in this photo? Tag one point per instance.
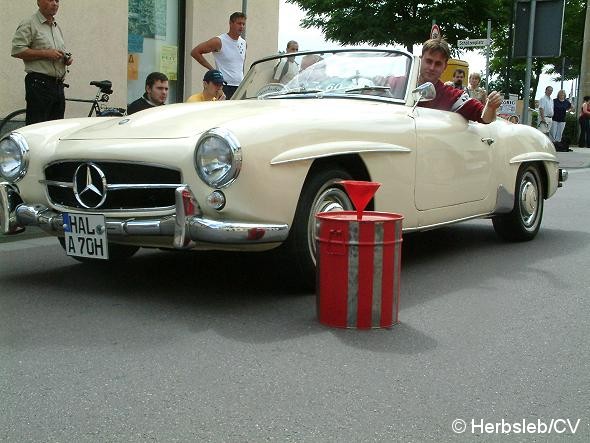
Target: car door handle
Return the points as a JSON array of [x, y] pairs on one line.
[[488, 140]]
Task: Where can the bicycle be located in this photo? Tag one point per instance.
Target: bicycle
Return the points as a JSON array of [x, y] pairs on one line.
[[12, 120]]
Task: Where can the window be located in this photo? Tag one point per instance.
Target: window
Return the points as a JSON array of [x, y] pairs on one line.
[[155, 36]]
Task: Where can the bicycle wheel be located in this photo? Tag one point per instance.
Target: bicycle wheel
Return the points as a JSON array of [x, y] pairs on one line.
[[12, 121]]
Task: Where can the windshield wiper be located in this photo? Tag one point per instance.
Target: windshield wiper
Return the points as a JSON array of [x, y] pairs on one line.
[[370, 88], [289, 92], [304, 91]]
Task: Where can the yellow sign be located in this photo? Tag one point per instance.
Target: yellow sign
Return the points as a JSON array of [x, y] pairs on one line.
[[132, 66], [169, 61]]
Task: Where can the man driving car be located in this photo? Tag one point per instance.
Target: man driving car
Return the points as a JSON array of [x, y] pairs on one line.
[[435, 55]]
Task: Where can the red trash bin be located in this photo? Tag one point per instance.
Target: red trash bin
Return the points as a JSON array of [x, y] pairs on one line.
[[359, 264]]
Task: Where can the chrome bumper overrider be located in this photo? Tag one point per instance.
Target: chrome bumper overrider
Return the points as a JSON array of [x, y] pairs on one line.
[[186, 227], [563, 174]]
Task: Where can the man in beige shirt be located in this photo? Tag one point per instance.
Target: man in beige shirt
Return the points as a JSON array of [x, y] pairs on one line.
[[39, 42]]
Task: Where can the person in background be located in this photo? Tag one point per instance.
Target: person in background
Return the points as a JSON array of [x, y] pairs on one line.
[[39, 42], [212, 88], [309, 60], [473, 88], [546, 111], [287, 67], [229, 52], [560, 107], [156, 93], [433, 62], [458, 77], [584, 119]]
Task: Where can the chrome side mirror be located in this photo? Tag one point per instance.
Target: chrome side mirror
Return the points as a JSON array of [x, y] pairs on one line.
[[423, 93]]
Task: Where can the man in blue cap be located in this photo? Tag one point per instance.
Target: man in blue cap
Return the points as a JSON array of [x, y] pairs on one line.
[[212, 88]]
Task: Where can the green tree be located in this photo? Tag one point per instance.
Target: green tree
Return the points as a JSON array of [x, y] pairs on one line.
[[402, 22], [509, 73], [572, 40]]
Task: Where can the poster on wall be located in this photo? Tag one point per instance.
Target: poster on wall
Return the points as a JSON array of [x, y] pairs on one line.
[[147, 18], [132, 66], [135, 43], [169, 61]]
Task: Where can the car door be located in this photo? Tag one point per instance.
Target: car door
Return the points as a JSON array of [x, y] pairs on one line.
[[454, 160]]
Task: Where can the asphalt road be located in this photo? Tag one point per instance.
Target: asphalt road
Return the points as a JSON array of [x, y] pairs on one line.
[[223, 347]]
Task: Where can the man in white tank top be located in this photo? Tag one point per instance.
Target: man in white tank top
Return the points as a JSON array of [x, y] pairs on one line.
[[229, 52]]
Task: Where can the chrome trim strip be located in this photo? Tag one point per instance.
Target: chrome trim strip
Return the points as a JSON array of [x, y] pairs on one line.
[[117, 187], [56, 183], [120, 187], [63, 208], [438, 225], [352, 296], [377, 275]]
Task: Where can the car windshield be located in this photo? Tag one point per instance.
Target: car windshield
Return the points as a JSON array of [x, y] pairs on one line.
[[338, 73]]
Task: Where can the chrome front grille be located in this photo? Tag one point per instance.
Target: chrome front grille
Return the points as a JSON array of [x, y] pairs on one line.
[[111, 186]]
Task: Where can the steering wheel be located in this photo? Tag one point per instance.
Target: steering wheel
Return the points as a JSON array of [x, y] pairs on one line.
[[361, 81], [271, 88]]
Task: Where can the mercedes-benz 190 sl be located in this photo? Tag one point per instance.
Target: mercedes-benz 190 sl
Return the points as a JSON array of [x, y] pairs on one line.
[[251, 173]]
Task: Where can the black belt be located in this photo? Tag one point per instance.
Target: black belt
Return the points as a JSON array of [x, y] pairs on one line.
[[45, 77]]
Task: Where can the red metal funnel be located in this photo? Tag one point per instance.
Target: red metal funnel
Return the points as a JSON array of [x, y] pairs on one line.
[[360, 193]]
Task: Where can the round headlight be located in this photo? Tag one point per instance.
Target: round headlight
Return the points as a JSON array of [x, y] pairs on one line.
[[14, 157], [218, 157]]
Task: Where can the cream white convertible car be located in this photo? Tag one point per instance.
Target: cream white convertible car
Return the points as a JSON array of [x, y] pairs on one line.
[[251, 173]]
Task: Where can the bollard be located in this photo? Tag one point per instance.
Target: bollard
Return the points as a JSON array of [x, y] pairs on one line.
[[358, 264]]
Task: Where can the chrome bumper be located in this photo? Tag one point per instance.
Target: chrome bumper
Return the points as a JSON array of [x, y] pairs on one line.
[[186, 228], [563, 174]]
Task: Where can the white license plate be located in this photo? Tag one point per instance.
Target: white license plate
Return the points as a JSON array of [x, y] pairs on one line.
[[86, 236]]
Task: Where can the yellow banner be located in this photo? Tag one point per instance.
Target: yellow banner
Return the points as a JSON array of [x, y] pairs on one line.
[[132, 66]]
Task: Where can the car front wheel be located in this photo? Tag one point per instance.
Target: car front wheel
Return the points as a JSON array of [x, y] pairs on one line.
[[321, 193], [524, 221]]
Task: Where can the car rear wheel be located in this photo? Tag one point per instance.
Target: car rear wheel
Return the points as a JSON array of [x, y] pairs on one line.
[[321, 193], [116, 252], [524, 221]]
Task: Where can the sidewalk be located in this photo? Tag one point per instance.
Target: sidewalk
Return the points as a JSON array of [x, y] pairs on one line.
[[577, 158]]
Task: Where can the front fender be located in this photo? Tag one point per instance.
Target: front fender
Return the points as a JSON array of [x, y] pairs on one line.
[[330, 149]]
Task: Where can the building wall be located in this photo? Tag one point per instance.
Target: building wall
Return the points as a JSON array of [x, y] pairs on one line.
[[262, 29], [96, 35]]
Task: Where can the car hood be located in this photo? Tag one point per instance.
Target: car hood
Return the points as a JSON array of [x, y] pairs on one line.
[[191, 119]]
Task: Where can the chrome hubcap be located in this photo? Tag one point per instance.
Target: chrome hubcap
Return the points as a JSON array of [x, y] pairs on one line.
[[529, 200], [329, 199]]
